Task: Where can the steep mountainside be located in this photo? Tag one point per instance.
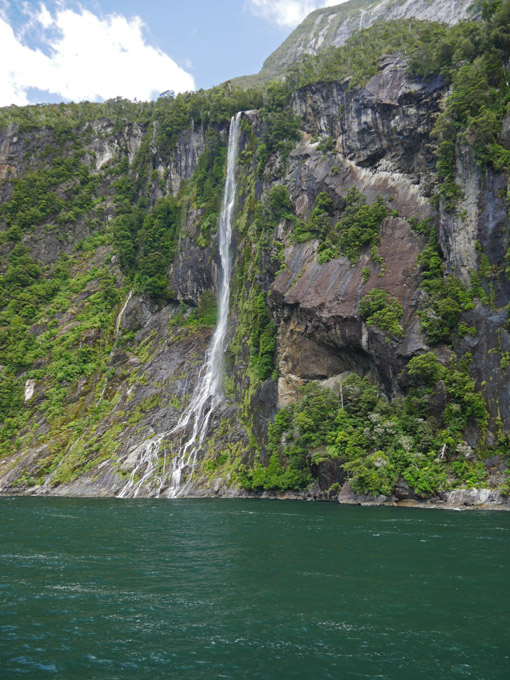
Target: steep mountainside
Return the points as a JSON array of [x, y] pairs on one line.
[[332, 26], [367, 350]]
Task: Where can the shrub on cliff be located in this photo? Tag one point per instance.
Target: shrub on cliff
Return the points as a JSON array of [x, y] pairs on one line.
[[378, 309], [376, 442]]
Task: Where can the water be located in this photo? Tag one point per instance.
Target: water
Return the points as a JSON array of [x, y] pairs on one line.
[[115, 341], [242, 589], [208, 393]]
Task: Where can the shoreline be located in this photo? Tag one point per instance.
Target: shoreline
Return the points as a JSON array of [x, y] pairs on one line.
[[463, 499]]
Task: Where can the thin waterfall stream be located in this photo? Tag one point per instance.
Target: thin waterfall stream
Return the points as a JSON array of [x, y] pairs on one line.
[[115, 341], [208, 392]]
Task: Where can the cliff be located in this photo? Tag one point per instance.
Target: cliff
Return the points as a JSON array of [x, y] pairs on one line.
[[367, 347], [333, 26]]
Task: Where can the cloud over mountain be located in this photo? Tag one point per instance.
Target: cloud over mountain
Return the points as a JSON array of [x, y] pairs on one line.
[[287, 13]]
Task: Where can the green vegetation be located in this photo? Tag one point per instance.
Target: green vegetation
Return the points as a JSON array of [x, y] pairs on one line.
[[203, 316], [318, 224], [321, 22], [473, 57], [207, 185], [447, 298], [252, 353], [360, 223], [156, 247], [262, 339], [57, 320], [146, 245], [358, 60], [279, 205], [55, 357], [281, 126], [378, 309], [376, 442], [357, 228], [65, 118], [35, 199]]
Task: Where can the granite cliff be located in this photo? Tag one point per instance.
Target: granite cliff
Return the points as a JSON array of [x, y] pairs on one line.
[[368, 344], [333, 26]]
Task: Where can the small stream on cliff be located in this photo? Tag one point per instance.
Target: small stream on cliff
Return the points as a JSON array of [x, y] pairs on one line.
[[241, 589], [195, 419]]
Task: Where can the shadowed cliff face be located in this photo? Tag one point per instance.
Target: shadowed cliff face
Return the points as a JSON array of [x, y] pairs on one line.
[[386, 126], [478, 232], [379, 143], [105, 145]]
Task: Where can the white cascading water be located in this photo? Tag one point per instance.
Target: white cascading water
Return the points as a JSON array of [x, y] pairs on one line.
[[208, 392], [116, 340], [361, 17], [189, 158]]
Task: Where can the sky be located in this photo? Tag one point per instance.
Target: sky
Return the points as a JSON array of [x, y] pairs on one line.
[[65, 50]]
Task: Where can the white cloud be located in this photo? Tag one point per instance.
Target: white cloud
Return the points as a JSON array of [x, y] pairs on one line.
[[44, 17], [88, 58], [287, 13]]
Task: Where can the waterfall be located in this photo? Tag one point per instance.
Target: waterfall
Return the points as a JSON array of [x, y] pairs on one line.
[[361, 17], [208, 392], [189, 157], [116, 340]]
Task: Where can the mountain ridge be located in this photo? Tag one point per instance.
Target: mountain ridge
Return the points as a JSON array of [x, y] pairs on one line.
[[332, 27]]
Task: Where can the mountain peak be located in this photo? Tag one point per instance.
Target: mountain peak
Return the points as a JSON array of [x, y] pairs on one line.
[[332, 26]]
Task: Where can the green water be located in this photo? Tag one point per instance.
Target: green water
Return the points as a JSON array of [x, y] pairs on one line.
[[250, 589]]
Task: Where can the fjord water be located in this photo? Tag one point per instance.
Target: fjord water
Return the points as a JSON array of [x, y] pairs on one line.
[[202, 589]]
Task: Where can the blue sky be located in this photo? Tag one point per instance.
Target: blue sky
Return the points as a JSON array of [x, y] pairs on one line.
[[62, 50]]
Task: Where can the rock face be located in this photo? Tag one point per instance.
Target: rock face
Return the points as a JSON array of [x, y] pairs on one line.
[[379, 143], [381, 151], [332, 26]]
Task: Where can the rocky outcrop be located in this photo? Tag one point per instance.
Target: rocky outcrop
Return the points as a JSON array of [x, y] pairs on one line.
[[476, 233], [381, 147], [333, 26], [384, 126], [320, 331]]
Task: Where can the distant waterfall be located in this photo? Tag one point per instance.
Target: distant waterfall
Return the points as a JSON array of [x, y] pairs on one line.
[[208, 392], [361, 17], [189, 157], [116, 340]]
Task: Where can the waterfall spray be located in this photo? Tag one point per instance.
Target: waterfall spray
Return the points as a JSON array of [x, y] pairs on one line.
[[208, 392]]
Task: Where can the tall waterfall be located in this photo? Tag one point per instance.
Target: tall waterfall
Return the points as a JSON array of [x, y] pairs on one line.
[[208, 392]]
